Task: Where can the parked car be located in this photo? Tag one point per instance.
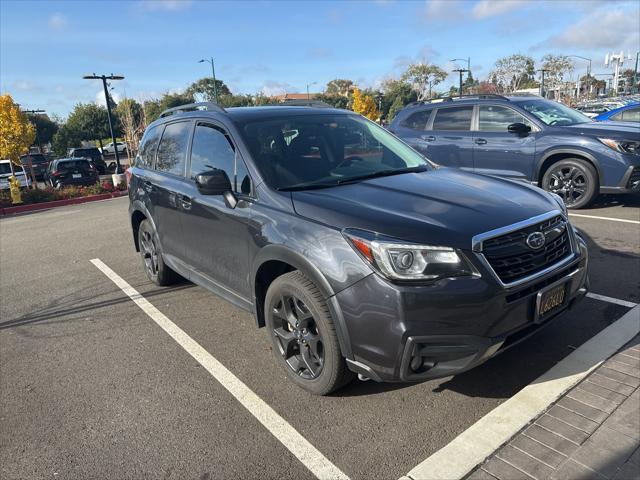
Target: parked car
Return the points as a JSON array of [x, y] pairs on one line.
[[592, 110], [109, 150], [71, 171], [530, 139], [354, 252], [6, 172], [627, 113], [91, 153], [39, 162]]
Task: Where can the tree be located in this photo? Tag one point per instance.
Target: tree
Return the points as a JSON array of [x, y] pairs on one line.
[[364, 105], [16, 132], [334, 99], [86, 122], [513, 72], [203, 90], [557, 67], [64, 139], [339, 86], [131, 117], [423, 75], [153, 108], [396, 94], [395, 107], [45, 127]]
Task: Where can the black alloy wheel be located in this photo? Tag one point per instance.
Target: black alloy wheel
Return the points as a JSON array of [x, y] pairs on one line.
[[151, 252], [574, 180], [298, 337]]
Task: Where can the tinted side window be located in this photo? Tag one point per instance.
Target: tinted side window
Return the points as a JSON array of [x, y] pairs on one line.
[[417, 121], [148, 148], [212, 149], [453, 118], [172, 151], [497, 119]]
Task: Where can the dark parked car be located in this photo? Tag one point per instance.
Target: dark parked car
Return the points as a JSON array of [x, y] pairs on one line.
[[526, 138], [92, 154], [39, 162], [71, 171], [356, 254]]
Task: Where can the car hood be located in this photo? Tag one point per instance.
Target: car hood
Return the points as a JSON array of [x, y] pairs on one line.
[[444, 207], [606, 129]]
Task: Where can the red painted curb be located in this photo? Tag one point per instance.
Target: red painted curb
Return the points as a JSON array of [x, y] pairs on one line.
[[59, 203]]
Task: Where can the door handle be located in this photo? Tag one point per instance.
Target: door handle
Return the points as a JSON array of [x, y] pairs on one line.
[[185, 202], [428, 138], [480, 141]]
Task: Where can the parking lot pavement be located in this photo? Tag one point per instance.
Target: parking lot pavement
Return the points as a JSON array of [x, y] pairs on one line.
[[91, 386]]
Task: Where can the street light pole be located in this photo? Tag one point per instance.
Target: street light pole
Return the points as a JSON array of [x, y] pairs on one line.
[[542, 92], [308, 85], [461, 71], [213, 73], [588, 68], [104, 79]]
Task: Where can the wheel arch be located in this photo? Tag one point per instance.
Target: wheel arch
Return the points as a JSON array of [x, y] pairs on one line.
[[138, 213], [553, 156], [276, 260]]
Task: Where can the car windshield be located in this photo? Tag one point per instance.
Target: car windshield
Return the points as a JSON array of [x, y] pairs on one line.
[[553, 113], [324, 150], [73, 164], [5, 168]]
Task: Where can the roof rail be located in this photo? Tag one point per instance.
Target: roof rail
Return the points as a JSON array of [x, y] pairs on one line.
[[207, 106], [302, 103], [479, 96]]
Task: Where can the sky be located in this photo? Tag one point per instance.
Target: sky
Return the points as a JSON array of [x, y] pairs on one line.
[[281, 46]]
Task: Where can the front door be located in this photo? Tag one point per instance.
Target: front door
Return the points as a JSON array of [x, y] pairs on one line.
[[499, 152], [449, 141], [216, 236]]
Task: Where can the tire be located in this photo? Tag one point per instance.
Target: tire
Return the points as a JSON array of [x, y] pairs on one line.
[[575, 180], [314, 338], [157, 271]]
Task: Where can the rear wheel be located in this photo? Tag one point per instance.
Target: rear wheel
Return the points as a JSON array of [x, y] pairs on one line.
[[303, 335], [157, 271], [575, 180]]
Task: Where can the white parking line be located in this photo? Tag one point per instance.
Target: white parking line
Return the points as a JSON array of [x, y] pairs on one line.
[[623, 220], [310, 457], [479, 441], [617, 301]]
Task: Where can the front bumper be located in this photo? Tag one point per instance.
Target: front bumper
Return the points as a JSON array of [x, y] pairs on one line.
[[630, 182], [414, 333]]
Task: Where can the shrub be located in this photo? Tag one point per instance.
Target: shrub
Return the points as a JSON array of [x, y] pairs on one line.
[[41, 195]]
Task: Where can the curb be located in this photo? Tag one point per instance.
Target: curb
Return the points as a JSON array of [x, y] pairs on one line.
[[59, 203]]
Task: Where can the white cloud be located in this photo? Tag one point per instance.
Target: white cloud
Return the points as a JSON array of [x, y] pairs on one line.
[[492, 8], [601, 29], [58, 21], [271, 88], [443, 10], [100, 100], [26, 86], [167, 5]]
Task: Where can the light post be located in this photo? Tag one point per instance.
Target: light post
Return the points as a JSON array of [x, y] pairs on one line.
[[461, 71], [213, 73], [468, 60], [542, 71], [104, 79], [588, 68], [308, 85]]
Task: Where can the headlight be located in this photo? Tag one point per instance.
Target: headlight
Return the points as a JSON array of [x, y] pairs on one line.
[[560, 201], [622, 146], [402, 261]]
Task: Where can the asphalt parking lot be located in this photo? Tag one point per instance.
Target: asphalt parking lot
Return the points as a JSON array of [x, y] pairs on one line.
[[91, 387]]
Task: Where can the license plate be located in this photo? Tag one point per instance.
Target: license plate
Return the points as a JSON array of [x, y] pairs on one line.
[[77, 175], [551, 299]]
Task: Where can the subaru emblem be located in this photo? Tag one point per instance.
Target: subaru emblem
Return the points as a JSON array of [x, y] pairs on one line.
[[536, 240]]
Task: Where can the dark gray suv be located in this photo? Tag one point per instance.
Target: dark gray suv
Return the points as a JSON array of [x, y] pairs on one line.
[[356, 253], [527, 138]]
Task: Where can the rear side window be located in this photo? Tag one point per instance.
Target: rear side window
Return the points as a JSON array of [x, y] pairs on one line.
[[212, 149], [631, 115], [172, 151], [417, 120], [148, 148], [453, 118], [497, 119], [73, 165]]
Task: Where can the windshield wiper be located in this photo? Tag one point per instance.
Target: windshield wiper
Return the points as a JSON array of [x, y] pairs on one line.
[[306, 186], [384, 173]]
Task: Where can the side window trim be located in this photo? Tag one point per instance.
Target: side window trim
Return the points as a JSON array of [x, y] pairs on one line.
[[236, 154]]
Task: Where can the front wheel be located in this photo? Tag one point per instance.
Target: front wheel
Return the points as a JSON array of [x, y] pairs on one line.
[[303, 335], [575, 180], [157, 271]]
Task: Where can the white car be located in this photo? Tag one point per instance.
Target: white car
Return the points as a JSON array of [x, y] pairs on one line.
[[109, 150], [5, 173]]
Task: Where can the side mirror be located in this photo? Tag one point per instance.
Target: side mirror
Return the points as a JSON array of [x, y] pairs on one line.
[[519, 128], [213, 182]]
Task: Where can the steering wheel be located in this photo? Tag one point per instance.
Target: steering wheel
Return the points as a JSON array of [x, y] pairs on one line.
[[348, 161]]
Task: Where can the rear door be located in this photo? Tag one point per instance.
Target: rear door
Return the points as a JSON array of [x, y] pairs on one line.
[[168, 188], [498, 152], [449, 139], [216, 236]]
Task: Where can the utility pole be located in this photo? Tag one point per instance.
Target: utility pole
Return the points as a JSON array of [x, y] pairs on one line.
[[543, 94], [308, 85], [213, 73], [104, 79], [461, 71]]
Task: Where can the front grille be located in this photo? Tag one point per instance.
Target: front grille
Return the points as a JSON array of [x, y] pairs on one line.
[[634, 178], [512, 259]]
